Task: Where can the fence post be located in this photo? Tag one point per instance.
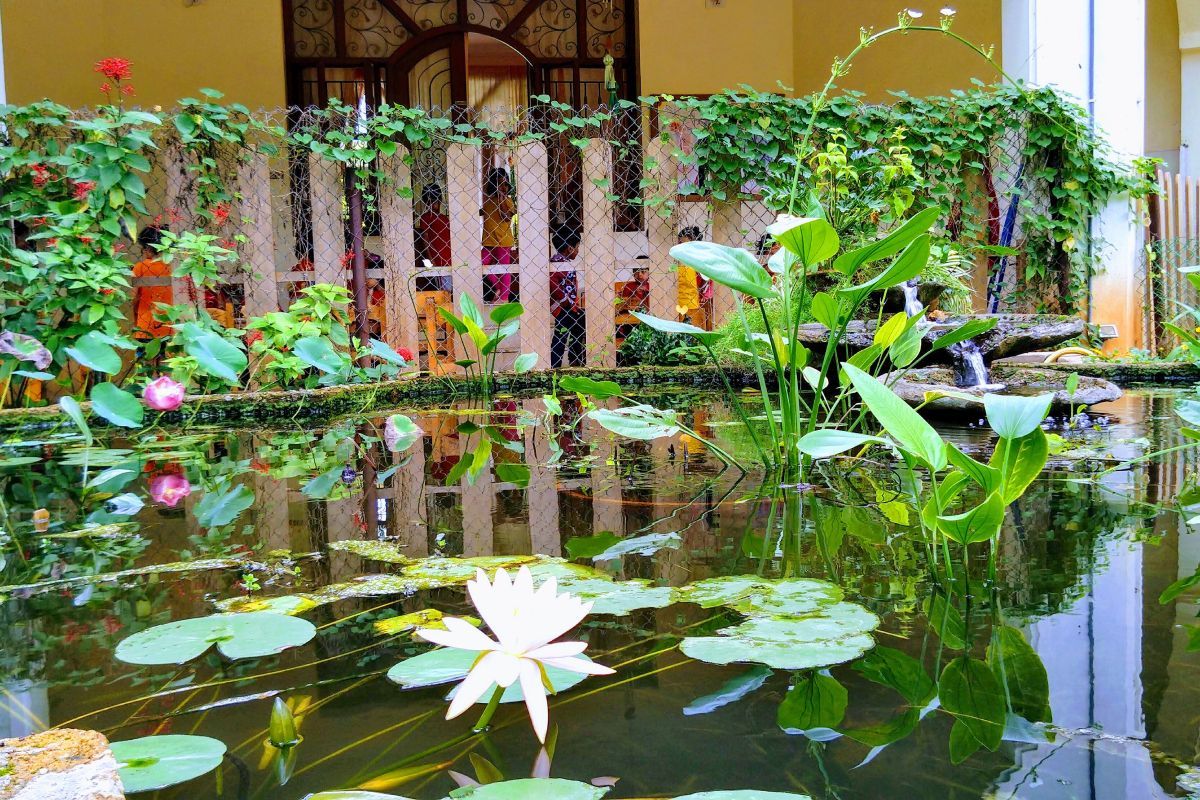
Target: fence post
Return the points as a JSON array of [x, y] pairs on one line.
[[533, 269], [726, 230], [174, 161], [464, 198], [329, 240], [660, 232], [258, 252], [599, 268], [399, 252]]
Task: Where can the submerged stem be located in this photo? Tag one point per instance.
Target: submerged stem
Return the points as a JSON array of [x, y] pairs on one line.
[[486, 717]]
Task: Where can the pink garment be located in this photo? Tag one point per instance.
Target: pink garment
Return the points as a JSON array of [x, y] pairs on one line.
[[501, 285]]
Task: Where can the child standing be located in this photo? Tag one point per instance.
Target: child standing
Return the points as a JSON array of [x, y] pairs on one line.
[[693, 291], [146, 299], [498, 240], [433, 233]]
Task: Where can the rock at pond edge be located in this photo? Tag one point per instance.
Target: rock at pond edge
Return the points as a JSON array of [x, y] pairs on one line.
[[61, 763]]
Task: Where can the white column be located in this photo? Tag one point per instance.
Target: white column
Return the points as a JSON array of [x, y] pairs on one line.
[[399, 256], [3, 91], [596, 253], [533, 267], [1189, 53]]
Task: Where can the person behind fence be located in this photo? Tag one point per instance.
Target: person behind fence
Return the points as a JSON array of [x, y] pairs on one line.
[[570, 320], [147, 297], [433, 233], [693, 291], [498, 240]]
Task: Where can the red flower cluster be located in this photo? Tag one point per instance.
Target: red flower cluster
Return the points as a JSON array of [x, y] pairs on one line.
[[228, 244], [41, 175], [220, 213], [127, 90], [252, 337], [82, 189], [405, 353], [115, 69]]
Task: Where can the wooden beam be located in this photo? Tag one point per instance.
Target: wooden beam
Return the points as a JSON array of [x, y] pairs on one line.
[[525, 13], [401, 15]]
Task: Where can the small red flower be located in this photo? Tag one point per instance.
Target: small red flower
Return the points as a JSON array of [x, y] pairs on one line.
[[86, 239], [74, 632], [111, 625], [40, 175], [39, 222], [82, 189], [174, 216], [115, 69], [252, 337], [228, 244], [105, 88], [107, 291], [220, 213], [405, 353], [52, 242], [127, 90], [119, 247], [259, 466]]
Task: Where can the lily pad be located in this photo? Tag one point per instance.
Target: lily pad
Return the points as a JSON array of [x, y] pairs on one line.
[[646, 545], [618, 598], [155, 762], [744, 794], [248, 635], [354, 794], [531, 789]]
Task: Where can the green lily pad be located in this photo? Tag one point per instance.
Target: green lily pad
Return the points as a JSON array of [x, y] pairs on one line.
[[618, 598], [744, 794], [531, 789], [354, 794], [750, 594], [836, 634], [155, 762], [249, 635]]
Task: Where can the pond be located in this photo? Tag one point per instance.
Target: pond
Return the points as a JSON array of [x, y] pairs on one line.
[[304, 518]]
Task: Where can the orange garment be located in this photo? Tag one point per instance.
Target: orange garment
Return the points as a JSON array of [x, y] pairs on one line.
[[147, 298]]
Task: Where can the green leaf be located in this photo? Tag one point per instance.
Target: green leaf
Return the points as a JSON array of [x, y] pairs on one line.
[[354, 794], [156, 762], [980, 524], [579, 547], [1012, 416], [812, 239], [968, 330], [117, 406], [318, 352], [907, 347], [215, 355], [906, 426], [598, 390], [448, 664], [673, 326], [70, 407], [503, 313], [531, 789], [825, 310], [815, 701], [906, 267], [946, 622], [728, 266], [513, 473], [894, 242], [1072, 384], [830, 442], [637, 422], [888, 666], [221, 506], [1020, 461], [459, 326], [744, 794], [963, 743], [969, 690], [476, 333], [987, 477], [384, 351], [470, 311], [890, 331], [1022, 672], [246, 635], [525, 362], [93, 352], [321, 486]]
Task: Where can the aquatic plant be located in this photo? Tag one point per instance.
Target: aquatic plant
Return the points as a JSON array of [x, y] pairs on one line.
[[525, 622], [469, 326]]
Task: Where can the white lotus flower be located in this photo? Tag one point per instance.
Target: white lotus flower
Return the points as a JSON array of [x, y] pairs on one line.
[[525, 622]]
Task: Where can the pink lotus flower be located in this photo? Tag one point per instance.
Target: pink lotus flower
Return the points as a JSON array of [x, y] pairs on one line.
[[524, 621], [169, 489], [163, 394]]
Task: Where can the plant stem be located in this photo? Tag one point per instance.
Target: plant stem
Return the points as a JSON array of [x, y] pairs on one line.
[[737, 406], [486, 717]]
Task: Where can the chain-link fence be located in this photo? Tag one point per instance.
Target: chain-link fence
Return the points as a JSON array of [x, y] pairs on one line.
[[1174, 244]]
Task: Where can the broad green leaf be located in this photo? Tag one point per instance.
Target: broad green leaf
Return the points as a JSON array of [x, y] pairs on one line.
[[812, 239], [1012, 416], [354, 794], [1072, 384], [888, 666], [744, 794], [894, 242], [476, 332], [509, 311], [470, 311], [815, 701], [156, 762], [552, 404], [963, 743], [637, 422], [1020, 461], [117, 406], [907, 346], [673, 326], [384, 351], [93, 352], [318, 352], [946, 621], [598, 390], [969, 690], [525, 362], [825, 310], [968, 330], [1022, 672], [447, 665], [890, 331], [459, 326], [980, 524], [579, 547], [320, 486], [728, 266], [513, 473], [221, 505], [246, 635], [906, 426], [215, 355], [987, 477], [830, 441], [885, 733], [531, 789], [906, 267], [71, 408]]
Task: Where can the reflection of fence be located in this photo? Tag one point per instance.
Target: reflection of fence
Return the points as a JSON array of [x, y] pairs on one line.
[[1174, 244]]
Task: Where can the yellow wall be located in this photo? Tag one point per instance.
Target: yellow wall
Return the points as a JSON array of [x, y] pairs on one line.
[[1163, 81], [236, 46], [918, 63], [687, 47]]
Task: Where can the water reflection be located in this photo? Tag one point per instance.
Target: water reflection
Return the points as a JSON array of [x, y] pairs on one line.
[[1080, 566]]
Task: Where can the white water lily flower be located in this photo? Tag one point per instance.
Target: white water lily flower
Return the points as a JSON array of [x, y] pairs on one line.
[[525, 622]]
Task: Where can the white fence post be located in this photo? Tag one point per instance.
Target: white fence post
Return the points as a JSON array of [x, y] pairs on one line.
[[660, 232], [399, 252], [464, 198], [329, 238], [599, 268], [533, 212], [258, 253], [179, 210], [726, 230]]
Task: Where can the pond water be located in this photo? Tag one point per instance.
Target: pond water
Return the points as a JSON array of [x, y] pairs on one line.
[[1081, 563]]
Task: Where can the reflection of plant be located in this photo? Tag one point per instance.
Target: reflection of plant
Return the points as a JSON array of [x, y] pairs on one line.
[[525, 623]]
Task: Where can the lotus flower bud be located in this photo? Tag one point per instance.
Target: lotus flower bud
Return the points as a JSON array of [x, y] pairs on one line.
[[169, 489], [163, 394]]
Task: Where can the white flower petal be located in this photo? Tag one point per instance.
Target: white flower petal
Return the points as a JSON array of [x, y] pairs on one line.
[[475, 685], [460, 635], [523, 583], [557, 650], [578, 665], [535, 698], [505, 669]]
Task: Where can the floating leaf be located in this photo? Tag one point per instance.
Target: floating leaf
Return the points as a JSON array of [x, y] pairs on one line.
[[531, 789], [448, 665], [155, 762], [645, 545], [221, 505], [598, 390], [637, 422], [248, 635], [833, 635], [744, 794]]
